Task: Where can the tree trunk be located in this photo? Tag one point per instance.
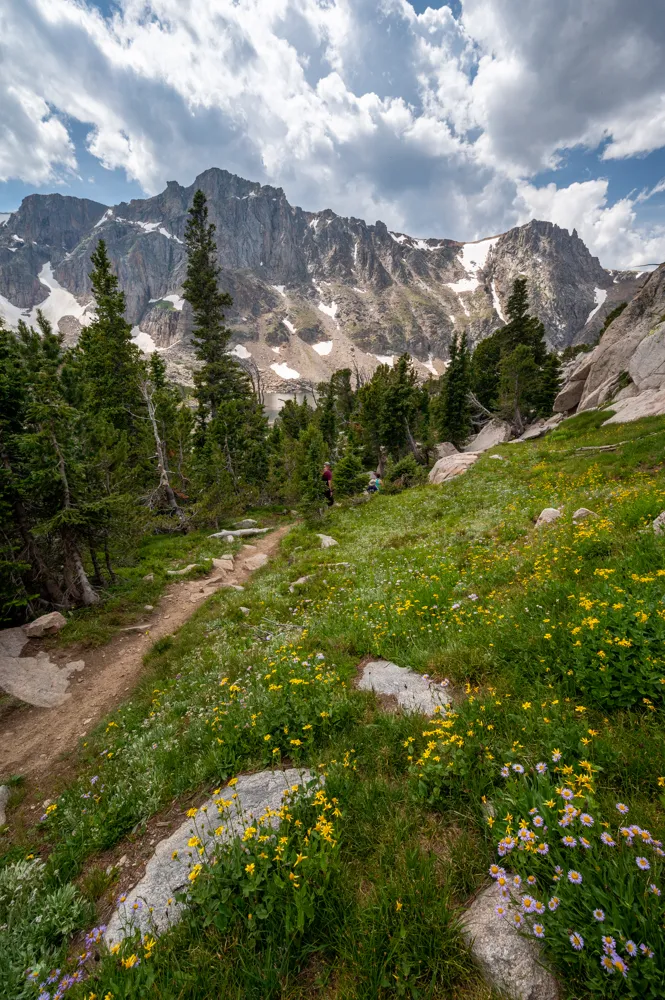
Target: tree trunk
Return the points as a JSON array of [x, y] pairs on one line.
[[98, 578], [412, 444], [162, 469], [107, 559], [383, 458], [88, 595]]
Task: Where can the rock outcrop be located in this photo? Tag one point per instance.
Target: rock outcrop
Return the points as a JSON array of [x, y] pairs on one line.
[[627, 368], [451, 466]]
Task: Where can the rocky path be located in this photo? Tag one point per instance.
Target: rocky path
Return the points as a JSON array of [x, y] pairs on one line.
[[35, 742]]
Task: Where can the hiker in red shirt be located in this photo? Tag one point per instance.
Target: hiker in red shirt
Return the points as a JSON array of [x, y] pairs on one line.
[[326, 475]]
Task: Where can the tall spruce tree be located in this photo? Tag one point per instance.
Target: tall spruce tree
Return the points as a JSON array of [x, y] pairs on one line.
[[453, 415], [219, 376]]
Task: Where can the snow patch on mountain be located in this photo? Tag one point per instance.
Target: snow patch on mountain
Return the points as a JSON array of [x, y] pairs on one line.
[[325, 347], [284, 371], [497, 304], [330, 310], [600, 296], [240, 351], [289, 325], [143, 340]]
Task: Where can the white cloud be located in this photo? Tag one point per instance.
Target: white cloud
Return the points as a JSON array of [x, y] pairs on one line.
[[435, 125]]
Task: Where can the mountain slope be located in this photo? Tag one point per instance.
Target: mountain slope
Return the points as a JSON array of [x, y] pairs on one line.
[[312, 291]]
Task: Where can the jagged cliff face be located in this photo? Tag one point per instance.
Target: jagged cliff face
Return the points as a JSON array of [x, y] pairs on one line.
[[312, 291]]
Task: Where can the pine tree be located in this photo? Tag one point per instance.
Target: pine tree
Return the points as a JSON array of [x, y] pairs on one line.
[[110, 364], [220, 376], [349, 476], [399, 407], [485, 371], [453, 415], [311, 456], [549, 385], [519, 378], [327, 418]]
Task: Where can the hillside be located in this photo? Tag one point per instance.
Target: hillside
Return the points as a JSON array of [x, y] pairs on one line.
[[545, 643], [313, 292]]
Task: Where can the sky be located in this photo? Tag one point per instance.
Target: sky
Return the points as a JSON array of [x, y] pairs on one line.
[[458, 119]]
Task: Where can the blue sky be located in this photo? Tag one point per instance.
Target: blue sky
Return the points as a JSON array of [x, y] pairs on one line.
[[459, 119]]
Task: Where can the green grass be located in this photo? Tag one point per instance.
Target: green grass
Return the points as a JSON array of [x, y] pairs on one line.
[[454, 581]]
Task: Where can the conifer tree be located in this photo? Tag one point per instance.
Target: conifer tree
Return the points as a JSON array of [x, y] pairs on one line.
[[110, 364], [399, 407], [220, 376], [327, 418], [349, 476], [311, 456], [453, 403]]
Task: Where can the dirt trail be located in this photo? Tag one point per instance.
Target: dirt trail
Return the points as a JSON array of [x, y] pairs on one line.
[[34, 742]]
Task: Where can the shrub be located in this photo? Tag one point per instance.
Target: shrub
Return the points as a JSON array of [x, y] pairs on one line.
[[404, 474]]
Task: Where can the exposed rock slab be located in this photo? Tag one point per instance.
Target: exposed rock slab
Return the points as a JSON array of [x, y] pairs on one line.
[[247, 522], [451, 466], [240, 533], [493, 433], [414, 693], [257, 561], [548, 516], [444, 449], [225, 565], [156, 908], [33, 679], [45, 625], [182, 572], [582, 513], [327, 541], [650, 403], [659, 524], [508, 961]]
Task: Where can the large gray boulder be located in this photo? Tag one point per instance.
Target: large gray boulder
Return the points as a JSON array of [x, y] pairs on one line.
[[548, 516], [444, 449], [257, 561], [414, 693], [569, 396], [46, 625], [150, 906], [327, 541], [509, 961], [494, 432], [451, 466]]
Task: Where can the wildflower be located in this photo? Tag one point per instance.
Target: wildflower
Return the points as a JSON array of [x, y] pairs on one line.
[[528, 904], [541, 768], [599, 915], [539, 930], [586, 844], [623, 809], [586, 820], [607, 839], [609, 944], [569, 841], [532, 879], [130, 962], [500, 910], [517, 881], [518, 769], [574, 877], [539, 908], [607, 964], [505, 771], [518, 919], [620, 965], [543, 849], [538, 821], [577, 941], [556, 755], [496, 870], [646, 951], [193, 842], [195, 872], [191, 813], [553, 904], [654, 889], [567, 794], [642, 864], [631, 948]]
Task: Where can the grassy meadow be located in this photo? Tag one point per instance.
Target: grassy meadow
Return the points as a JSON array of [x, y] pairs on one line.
[[551, 640]]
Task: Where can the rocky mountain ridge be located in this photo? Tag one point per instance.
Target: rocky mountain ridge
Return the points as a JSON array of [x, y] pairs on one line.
[[312, 291]]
